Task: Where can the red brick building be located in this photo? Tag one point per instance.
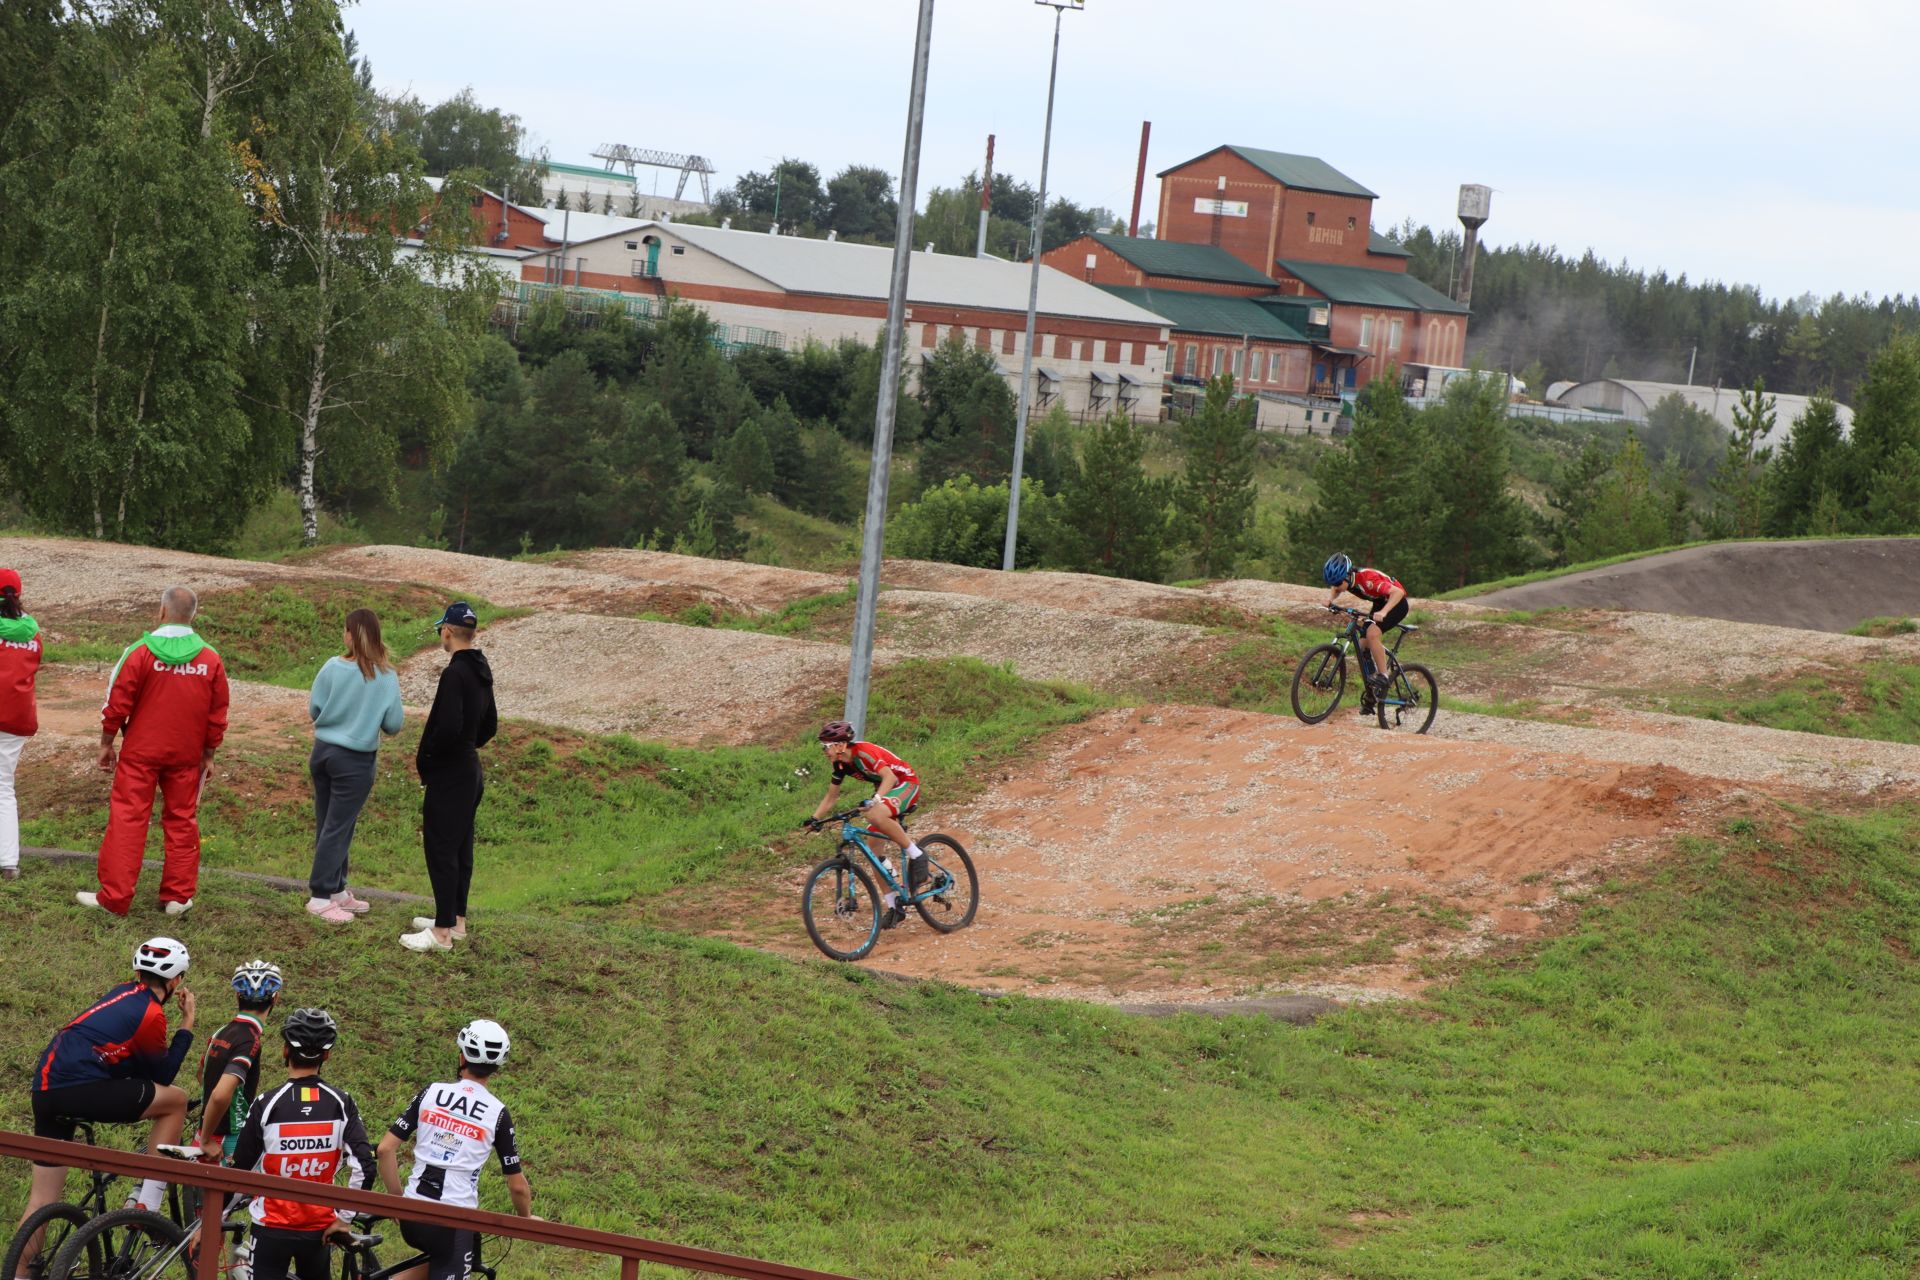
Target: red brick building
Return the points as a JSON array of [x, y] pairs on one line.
[[1268, 227]]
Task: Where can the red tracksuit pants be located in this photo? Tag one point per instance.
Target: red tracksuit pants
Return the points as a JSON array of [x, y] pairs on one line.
[[130, 811]]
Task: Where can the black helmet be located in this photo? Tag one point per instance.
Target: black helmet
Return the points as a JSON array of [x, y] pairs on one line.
[[310, 1032]]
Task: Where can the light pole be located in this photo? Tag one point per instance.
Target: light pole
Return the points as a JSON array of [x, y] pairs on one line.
[[860, 663], [778, 165], [1034, 246]]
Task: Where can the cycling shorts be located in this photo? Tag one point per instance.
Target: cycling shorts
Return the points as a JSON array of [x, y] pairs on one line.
[[1394, 616], [451, 1251], [900, 801], [106, 1101]]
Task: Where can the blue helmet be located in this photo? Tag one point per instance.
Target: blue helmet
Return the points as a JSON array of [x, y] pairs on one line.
[[257, 980], [1338, 569]]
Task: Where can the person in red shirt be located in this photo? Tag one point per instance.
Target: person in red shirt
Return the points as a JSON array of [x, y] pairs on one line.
[[1388, 607], [169, 696], [20, 652], [896, 790]]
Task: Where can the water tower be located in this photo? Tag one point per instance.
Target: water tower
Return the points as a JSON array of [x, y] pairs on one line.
[[1475, 202]]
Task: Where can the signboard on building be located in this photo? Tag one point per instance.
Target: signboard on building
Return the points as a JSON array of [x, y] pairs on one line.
[[1220, 208]]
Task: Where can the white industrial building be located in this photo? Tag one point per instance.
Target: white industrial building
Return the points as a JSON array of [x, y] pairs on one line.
[[1094, 353], [1633, 400]]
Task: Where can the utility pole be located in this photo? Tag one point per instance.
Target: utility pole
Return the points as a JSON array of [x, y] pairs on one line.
[[986, 201], [1059, 8], [1693, 356], [872, 543]]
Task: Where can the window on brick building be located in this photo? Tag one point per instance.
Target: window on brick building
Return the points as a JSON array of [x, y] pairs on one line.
[[1393, 335], [1258, 372], [1309, 217], [1351, 223], [1237, 370], [1366, 332], [1219, 361], [1187, 365]]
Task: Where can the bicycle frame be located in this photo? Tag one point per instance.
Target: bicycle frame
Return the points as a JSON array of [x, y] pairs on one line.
[[1351, 645], [857, 837]]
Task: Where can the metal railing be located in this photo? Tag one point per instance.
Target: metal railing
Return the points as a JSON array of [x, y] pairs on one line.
[[630, 1250]]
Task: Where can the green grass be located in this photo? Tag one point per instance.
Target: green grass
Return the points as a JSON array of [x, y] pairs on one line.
[[1880, 700], [1708, 1074], [779, 535], [1884, 628], [572, 820]]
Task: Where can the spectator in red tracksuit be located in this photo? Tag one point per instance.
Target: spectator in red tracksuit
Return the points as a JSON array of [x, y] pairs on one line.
[[19, 718], [169, 694]]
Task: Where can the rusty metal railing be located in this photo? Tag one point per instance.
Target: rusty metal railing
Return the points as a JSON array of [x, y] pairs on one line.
[[221, 1182]]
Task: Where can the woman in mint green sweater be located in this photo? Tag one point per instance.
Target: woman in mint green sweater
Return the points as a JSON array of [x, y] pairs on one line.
[[355, 699]]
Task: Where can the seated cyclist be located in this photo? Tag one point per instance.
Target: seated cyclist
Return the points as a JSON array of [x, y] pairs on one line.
[[896, 793], [1387, 601], [457, 1123], [304, 1129], [230, 1068], [115, 1063]]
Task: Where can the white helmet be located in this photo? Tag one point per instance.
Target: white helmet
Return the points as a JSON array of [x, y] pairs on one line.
[[484, 1043], [161, 957]]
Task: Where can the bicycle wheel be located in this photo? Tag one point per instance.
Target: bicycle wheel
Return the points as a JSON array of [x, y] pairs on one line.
[[1410, 701], [1318, 683], [841, 908], [55, 1225], [953, 907], [126, 1244]]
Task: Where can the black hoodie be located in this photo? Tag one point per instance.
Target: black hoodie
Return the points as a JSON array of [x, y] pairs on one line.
[[463, 717]]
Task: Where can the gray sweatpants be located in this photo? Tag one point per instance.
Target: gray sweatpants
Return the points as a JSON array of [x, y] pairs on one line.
[[342, 780]]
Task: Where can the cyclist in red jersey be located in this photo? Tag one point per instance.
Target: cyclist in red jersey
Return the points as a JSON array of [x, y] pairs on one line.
[[1387, 601], [896, 792]]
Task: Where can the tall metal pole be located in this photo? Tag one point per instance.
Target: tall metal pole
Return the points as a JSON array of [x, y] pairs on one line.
[[860, 665], [986, 201], [1033, 302]]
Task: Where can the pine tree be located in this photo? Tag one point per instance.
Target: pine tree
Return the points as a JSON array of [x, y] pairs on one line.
[[1887, 420], [745, 460], [969, 415], [1812, 461], [649, 459], [1625, 513], [1215, 495], [1479, 525], [1739, 492], [1375, 498], [1114, 516], [1894, 506]]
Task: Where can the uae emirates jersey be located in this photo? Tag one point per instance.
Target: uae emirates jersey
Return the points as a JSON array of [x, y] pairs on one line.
[[454, 1126]]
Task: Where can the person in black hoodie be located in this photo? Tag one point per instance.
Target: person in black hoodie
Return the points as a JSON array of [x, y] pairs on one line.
[[462, 721]]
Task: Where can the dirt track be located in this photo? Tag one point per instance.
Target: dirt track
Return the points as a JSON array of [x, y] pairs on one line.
[[1818, 586]]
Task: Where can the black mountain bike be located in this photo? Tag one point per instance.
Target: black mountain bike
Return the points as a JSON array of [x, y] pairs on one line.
[[137, 1244], [1411, 696], [359, 1262], [56, 1223]]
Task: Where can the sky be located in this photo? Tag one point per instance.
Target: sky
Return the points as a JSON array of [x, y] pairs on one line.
[[1756, 142]]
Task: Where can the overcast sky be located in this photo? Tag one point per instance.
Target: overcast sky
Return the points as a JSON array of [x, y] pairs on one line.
[[1753, 141]]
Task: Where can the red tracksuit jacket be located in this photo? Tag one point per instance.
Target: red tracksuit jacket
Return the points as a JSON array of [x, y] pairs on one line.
[[170, 694], [19, 664]]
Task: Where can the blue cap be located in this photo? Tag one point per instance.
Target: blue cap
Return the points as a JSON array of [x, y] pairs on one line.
[[458, 614]]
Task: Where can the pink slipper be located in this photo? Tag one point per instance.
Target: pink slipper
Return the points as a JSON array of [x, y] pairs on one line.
[[346, 901], [333, 913]]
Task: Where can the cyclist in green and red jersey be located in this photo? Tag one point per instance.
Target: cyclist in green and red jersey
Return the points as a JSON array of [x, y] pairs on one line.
[[896, 792]]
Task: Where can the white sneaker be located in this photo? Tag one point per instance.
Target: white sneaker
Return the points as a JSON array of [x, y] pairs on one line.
[[177, 908], [87, 899], [426, 922], [424, 941]]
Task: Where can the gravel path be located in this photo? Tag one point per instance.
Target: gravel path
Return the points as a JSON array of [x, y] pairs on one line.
[[76, 574], [760, 585], [1039, 642], [520, 584], [1082, 592], [619, 675]]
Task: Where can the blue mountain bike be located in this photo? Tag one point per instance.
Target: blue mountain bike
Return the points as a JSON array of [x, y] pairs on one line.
[[841, 899]]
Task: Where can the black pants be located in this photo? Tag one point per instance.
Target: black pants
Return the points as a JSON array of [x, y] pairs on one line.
[[451, 1252], [446, 829], [275, 1251]]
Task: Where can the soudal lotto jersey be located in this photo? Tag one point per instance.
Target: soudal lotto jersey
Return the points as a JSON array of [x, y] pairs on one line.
[[454, 1125], [304, 1129], [868, 760], [1375, 585]]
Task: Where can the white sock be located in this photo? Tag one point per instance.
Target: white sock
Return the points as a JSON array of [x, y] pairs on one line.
[[888, 899], [319, 904], [914, 850], [152, 1193]]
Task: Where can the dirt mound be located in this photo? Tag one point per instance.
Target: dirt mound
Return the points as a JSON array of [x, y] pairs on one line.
[[1039, 642], [1182, 853], [519, 584], [1815, 585], [79, 576], [652, 679], [760, 585], [1081, 592]]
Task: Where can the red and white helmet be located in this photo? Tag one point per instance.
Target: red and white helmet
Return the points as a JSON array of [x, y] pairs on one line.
[[161, 957]]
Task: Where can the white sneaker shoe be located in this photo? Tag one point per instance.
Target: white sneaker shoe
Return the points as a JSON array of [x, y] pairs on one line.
[[87, 899], [177, 908], [426, 922], [424, 941]]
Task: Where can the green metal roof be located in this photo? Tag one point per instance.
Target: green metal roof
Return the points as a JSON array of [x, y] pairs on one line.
[[1209, 313], [1377, 243], [1304, 173], [1368, 287], [586, 170], [1182, 261]]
